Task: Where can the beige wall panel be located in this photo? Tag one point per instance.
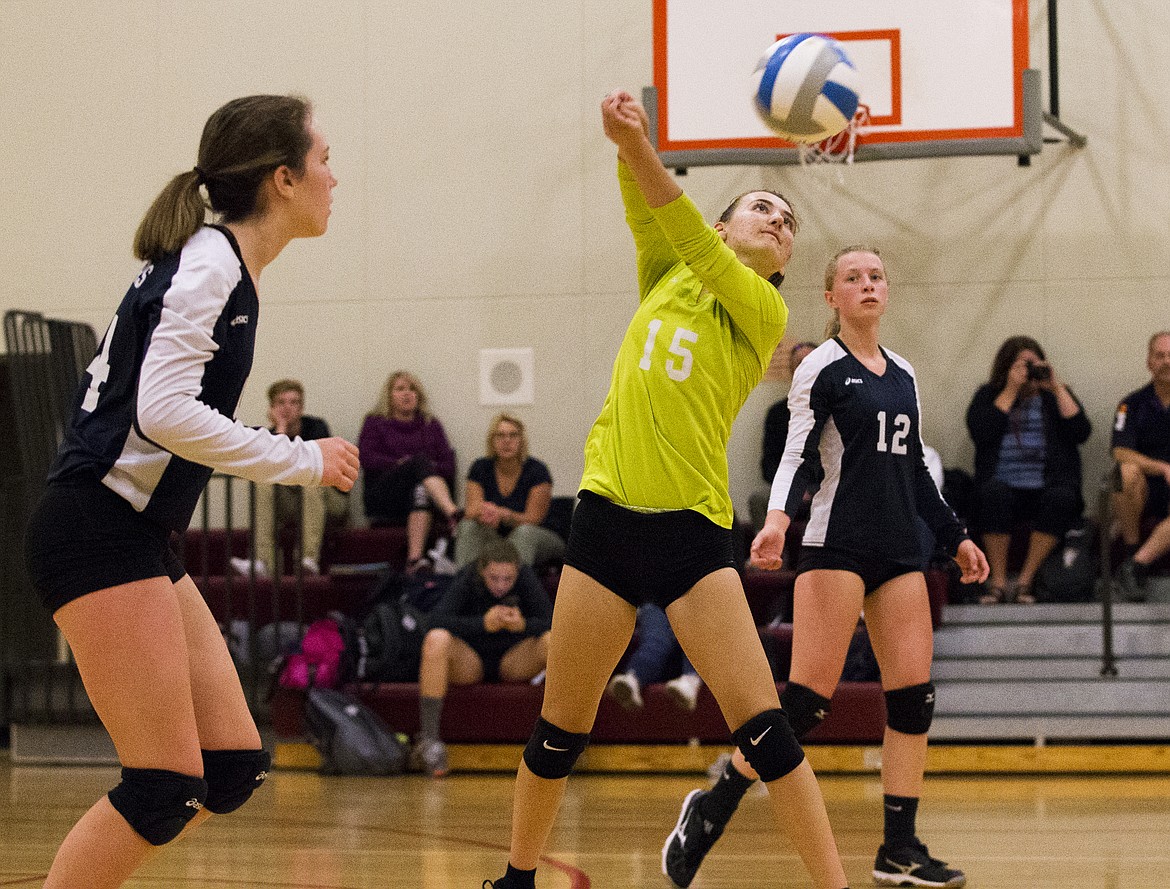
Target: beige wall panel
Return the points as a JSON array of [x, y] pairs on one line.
[[477, 206]]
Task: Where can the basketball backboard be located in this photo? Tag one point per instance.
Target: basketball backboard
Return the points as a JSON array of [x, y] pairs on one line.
[[940, 77]]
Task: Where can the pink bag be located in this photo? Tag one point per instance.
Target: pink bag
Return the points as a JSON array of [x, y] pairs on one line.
[[318, 663]]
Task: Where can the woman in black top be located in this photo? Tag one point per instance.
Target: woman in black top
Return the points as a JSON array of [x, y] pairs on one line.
[[153, 418], [1028, 428], [507, 498]]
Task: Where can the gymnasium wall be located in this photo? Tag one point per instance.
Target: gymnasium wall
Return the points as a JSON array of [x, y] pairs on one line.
[[477, 206]]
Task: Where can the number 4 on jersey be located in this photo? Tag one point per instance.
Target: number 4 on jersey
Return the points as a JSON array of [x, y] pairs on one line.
[[99, 370]]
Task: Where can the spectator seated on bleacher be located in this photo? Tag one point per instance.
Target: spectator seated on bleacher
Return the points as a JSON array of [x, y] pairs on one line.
[[408, 466], [1141, 447], [276, 505], [656, 657], [492, 624], [508, 497], [1027, 427]]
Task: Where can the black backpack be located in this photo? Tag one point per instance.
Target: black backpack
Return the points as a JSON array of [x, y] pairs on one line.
[[390, 642], [351, 738], [1069, 574]]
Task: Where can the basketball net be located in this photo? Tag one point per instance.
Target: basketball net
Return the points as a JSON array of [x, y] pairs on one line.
[[829, 155]]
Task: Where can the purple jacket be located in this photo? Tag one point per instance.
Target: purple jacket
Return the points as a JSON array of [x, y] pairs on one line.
[[384, 441]]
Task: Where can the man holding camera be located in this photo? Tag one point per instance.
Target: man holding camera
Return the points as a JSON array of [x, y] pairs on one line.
[[1027, 427], [1141, 447]]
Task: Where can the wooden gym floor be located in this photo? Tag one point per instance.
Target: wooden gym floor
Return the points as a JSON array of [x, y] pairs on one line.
[[308, 832]]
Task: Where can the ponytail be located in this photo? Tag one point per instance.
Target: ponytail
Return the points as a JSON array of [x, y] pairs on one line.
[[242, 143], [833, 325], [176, 214]]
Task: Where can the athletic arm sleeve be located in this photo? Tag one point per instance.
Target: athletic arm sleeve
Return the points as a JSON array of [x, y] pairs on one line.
[[754, 304], [939, 517], [800, 468], [169, 413], [655, 254]]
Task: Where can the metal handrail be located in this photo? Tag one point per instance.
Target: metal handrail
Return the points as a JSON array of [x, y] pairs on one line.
[[1110, 484]]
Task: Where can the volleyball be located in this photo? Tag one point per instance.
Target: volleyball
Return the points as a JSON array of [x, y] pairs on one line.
[[805, 89]]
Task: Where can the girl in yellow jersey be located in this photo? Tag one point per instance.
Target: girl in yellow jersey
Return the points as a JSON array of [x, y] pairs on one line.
[[654, 519]]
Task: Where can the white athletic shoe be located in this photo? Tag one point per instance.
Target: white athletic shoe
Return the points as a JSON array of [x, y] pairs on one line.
[[683, 691], [626, 690], [243, 567]]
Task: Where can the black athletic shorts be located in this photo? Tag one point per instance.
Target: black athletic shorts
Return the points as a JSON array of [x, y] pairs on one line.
[[83, 537], [873, 569], [645, 556], [492, 648]]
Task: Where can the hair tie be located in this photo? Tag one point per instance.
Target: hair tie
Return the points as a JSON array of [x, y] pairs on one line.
[[200, 176]]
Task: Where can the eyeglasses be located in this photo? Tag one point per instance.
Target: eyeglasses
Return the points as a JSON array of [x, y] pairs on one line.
[[505, 435]]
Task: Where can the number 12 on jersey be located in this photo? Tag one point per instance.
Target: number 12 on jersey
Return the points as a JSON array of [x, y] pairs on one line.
[[677, 370], [897, 444]]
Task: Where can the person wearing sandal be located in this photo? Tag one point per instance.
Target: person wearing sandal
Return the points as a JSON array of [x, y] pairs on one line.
[[1027, 427]]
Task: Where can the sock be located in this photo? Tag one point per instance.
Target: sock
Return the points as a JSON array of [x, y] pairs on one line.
[[901, 812], [723, 799], [516, 879], [430, 712]]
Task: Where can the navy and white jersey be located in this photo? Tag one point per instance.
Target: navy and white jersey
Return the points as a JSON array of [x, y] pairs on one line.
[[153, 415], [855, 445]]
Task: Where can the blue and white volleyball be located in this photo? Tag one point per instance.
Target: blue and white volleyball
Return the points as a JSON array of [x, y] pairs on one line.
[[805, 89]]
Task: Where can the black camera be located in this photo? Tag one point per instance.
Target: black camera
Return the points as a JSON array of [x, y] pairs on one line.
[[1041, 373]]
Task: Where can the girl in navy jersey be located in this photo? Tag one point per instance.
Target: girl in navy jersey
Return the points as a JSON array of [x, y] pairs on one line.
[[152, 420], [854, 444]]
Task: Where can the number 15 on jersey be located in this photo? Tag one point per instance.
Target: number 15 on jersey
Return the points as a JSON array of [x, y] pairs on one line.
[[678, 367]]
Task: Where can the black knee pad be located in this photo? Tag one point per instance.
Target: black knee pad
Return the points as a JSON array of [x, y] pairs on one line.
[[805, 708], [551, 752], [158, 803], [232, 776], [768, 744], [910, 710]]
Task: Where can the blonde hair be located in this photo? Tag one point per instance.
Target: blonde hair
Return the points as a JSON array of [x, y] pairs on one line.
[[833, 325], [385, 400], [494, 425]]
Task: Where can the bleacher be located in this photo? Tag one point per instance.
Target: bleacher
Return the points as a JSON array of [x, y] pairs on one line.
[[492, 712]]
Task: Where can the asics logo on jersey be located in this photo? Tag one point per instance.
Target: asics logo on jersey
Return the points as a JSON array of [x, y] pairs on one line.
[[261, 777], [138, 282], [548, 746], [756, 740], [239, 319], [193, 803], [853, 380], [821, 714]]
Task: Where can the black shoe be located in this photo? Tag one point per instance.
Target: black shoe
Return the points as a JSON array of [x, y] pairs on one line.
[[689, 842], [912, 865], [1133, 578]]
